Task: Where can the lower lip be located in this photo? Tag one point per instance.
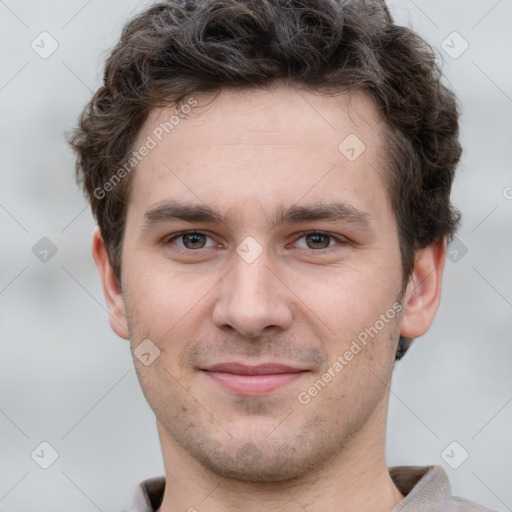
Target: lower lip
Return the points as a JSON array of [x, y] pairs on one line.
[[254, 384]]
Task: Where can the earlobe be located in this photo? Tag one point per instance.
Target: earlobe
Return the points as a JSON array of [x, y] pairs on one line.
[[424, 290], [111, 288]]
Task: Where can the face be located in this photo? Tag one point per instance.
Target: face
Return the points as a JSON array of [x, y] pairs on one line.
[[260, 247]]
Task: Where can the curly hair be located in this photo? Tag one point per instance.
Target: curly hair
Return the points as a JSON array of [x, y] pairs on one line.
[[177, 48]]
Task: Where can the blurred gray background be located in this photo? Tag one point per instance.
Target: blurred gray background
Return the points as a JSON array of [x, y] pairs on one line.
[[67, 380]]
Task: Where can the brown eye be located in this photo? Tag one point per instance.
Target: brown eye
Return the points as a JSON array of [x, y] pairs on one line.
[[194, 240], [190, 240], [318, 241]]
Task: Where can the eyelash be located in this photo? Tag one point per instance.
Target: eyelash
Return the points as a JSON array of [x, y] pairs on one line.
[[339, 239]]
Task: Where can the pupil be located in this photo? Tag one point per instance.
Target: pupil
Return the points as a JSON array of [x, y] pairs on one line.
[[194, 239], [317, 239]]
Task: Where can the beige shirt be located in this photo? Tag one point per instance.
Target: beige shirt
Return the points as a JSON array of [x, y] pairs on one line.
[[426, 489]]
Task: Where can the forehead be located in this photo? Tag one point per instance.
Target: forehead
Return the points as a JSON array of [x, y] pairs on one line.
[[262, 146], [264, 114]]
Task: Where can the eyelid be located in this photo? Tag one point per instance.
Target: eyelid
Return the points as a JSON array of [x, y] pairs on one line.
[[340, 239], [169, 239]]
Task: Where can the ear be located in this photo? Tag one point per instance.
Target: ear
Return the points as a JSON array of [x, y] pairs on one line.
[[423, 290], [111, 288]]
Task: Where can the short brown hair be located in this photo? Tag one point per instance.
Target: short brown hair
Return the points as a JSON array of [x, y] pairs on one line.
[[178, 48]]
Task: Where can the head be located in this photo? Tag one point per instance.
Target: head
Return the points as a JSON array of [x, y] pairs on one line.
[[316, 137]]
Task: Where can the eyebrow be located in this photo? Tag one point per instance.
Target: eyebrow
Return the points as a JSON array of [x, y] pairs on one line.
[[178, 211]]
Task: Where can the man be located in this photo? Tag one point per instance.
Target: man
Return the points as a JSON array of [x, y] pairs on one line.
[[271, 181]]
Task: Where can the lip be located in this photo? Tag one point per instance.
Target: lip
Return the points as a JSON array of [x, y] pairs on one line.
[[253, 380]]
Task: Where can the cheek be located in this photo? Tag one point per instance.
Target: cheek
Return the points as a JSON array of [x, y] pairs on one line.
[[169, 308], [345, 301], [161, 294]]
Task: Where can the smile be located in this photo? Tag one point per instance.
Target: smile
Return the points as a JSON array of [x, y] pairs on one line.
[[253, 380]]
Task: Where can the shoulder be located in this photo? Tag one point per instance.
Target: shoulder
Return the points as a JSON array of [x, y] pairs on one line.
[[456, 504], [148, 495], [427, 488]]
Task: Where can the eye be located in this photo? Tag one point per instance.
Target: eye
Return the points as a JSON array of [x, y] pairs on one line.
[[190, 240], [319, 241]]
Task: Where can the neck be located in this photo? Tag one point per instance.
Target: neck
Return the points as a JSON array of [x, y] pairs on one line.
[[354, 479]]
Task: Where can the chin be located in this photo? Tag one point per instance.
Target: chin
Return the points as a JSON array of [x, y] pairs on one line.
[[263, 464]]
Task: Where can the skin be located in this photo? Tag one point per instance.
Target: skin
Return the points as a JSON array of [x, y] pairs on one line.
[[302, 302]]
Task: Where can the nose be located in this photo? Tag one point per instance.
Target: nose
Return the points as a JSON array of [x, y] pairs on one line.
[[253, 299]]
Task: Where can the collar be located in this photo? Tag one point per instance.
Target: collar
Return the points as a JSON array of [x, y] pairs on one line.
[[424, 488]]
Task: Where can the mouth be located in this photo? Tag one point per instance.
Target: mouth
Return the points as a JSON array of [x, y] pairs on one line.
[[253, 380]]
